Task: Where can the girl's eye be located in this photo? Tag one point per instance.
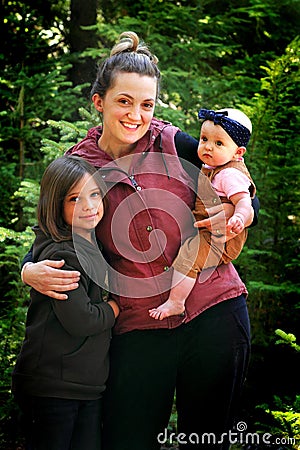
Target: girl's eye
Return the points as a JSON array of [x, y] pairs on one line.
[[96, 194], [74, 199]]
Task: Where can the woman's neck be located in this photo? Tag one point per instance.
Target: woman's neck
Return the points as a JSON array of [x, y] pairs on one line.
[[122, 155], [116, 152]]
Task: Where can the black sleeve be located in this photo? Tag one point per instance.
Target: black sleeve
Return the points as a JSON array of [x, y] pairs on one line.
[[186, 147], [255, 206], [27, 258]]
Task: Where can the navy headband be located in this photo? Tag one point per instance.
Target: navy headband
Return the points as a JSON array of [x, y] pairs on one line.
[[238, 133]]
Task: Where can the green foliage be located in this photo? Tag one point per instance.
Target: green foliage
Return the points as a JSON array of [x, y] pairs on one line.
[[28, 193], [285, 420], [9, 184], [13, 308], [285, 412], [287, 338], [70, 133], [270, 261]]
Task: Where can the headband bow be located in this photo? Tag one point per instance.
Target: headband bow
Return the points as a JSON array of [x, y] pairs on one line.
[[238, 133]]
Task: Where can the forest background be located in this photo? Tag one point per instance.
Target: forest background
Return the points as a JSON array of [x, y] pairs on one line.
[[236, 53]]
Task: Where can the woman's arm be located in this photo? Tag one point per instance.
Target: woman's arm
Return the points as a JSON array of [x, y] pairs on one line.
[[46, 278]]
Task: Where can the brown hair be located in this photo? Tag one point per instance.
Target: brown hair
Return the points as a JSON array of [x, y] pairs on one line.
[[59, 177], [128, 55]]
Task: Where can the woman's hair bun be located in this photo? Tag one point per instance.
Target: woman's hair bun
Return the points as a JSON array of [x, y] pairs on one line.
[[129, 42]]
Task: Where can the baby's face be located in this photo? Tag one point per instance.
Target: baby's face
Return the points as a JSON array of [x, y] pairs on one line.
[[215, 146]]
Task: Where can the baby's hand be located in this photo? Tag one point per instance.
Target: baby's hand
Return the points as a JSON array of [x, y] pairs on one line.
[[235, 224]]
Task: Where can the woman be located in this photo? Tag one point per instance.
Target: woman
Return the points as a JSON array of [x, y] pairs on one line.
[[203, 356]]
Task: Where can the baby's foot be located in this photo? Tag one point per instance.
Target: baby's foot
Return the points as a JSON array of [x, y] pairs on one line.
[[167, 309]]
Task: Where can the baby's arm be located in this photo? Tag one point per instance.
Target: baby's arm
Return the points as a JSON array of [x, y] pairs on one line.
[[243, 213]]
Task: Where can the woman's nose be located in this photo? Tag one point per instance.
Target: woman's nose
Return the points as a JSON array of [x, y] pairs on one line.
[[134, 113]]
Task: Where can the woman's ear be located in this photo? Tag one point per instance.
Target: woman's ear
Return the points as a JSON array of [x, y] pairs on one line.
[[98, 103]]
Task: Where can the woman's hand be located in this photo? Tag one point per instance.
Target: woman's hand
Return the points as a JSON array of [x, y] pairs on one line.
[[216, 223], [217, 219], [47, 278]]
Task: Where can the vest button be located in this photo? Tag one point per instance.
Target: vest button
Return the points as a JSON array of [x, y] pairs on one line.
[[166, 268], [149, 228]]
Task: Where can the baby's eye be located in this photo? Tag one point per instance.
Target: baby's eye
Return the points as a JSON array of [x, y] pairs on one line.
[[219, 143], [203, 139]]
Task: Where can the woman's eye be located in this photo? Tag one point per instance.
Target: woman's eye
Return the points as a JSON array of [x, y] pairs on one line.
[[124, 101], [148, 105]]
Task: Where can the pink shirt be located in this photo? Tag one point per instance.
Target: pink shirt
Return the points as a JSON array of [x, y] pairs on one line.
[[230, 181]]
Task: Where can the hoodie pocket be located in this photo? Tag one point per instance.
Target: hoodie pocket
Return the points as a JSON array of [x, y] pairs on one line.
[[89, 364]]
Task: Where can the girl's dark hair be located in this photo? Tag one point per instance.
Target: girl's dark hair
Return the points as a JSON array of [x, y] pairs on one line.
[[128, 55], [59, 177]]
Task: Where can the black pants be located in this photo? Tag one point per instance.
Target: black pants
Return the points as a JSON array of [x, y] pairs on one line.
[[204, 360], [61, 424]]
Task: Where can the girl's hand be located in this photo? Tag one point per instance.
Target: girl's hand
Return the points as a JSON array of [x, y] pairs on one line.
[[46, 278], [115, 307]]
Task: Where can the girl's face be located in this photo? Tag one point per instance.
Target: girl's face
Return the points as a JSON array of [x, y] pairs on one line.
[[216, 147], [83, 206], [127, 109]]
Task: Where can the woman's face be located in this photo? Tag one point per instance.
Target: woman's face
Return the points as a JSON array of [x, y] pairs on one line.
[[127, 109]]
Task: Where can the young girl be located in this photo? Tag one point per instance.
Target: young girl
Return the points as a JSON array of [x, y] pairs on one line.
[[63, 365]]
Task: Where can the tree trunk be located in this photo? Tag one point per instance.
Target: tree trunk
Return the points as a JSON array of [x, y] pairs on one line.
[[83, 13]]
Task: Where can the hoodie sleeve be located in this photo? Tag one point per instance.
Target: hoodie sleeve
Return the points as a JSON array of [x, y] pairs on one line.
[[84, 313]]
